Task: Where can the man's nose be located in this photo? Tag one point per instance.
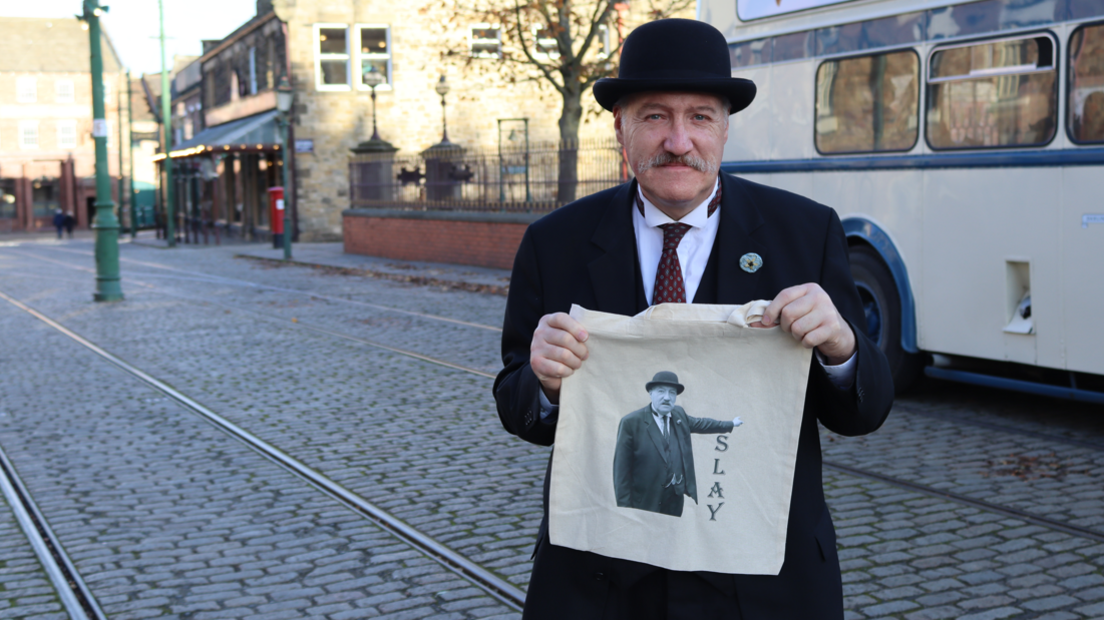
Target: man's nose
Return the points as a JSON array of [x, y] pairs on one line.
[[678, 140]]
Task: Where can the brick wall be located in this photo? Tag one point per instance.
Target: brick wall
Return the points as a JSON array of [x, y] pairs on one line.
[[480, 239]]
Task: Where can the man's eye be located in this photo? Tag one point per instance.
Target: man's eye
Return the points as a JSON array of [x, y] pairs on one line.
[[654, 117], [700, 117]]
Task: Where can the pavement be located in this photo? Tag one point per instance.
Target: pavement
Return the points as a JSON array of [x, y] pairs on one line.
[[332, 256], [165, 516]]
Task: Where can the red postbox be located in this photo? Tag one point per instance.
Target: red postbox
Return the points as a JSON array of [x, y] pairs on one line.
[[276, 215]]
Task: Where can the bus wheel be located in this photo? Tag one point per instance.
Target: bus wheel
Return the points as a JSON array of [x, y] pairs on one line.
[[882, 307]]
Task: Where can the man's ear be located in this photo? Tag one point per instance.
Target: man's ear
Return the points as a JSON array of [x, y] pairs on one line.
[[617, 125]]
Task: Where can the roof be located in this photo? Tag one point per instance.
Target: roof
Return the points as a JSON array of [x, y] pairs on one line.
[[151, 87], [252, 132], [239, 32], [187, 78], [50, 44], [139, 103]]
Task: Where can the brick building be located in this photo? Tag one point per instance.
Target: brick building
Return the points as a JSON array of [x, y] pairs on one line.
[[326, 47], [47, 154]]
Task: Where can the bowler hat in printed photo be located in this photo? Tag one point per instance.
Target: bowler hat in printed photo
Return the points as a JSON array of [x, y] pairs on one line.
[[675, 55], [665, 377]]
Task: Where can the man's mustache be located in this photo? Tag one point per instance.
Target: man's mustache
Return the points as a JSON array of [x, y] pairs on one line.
[[664, 158]]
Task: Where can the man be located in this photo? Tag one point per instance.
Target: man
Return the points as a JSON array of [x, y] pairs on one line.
[[653, 464], [59, 222], [682, 232]]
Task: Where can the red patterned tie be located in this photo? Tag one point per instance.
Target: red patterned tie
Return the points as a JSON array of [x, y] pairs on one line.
[[669, 286]]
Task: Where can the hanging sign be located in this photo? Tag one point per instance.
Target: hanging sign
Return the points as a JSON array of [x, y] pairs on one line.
[[99, 128]]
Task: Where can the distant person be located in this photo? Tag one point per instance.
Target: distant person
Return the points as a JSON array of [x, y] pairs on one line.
[[70, 222], [59, 222]]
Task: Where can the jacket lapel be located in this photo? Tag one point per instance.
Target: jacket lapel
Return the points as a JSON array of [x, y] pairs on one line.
[[740, 218], [656, 435], [613, 272]]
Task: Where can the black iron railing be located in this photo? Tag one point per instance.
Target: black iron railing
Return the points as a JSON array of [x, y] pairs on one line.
[[513, 179]]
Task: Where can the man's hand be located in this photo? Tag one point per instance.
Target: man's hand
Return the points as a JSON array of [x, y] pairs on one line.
[[557, 351], [807, 313], [736, 422]]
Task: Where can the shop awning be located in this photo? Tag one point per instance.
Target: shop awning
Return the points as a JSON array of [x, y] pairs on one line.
[[251, 134]]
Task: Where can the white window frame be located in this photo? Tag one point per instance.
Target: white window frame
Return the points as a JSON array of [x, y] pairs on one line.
[[319, 85], [360, 56], [62, 125], [26, 89], [64, 91], [24, 128], [472, 41], [537, 53]]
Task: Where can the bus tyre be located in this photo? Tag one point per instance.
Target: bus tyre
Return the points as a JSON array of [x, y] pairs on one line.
[[882, 307]]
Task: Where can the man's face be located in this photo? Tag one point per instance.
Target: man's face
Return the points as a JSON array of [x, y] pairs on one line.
[[663, 398], [674, 143]]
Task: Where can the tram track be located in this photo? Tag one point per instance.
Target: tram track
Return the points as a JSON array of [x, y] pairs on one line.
[[254, 285], [73, 593], [213, 279], [499, 589], [1053, 524]]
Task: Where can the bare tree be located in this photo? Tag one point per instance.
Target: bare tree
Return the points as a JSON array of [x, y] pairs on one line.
[[569, 44]]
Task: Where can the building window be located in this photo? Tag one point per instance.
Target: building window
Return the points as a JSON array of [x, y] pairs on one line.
[[252, 71], [67, 134], [485, 41], [331, 57], [868, 104], [374, 53], [28, 134], [64, 91], [993, 94], [26, 89], [544, 44], [1086, 84]]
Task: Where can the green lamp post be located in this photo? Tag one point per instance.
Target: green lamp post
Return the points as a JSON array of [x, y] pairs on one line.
[[108, 287], [284, 98]]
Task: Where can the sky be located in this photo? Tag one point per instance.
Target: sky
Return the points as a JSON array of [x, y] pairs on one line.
[[134, 25]]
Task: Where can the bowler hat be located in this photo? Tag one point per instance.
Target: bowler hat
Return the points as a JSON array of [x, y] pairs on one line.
[[665, 377], [675, 55]]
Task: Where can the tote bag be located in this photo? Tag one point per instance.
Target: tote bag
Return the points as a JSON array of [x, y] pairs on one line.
[[616, 475]]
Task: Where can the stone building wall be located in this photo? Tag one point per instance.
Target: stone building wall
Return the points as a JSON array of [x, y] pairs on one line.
[[408, 109]]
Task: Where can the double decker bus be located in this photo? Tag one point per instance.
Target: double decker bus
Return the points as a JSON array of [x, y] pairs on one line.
[[962, 144]]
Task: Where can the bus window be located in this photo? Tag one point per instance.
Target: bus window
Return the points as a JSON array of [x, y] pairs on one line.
[[996, 93], [749, 53], [868, 104], [1086, 92]]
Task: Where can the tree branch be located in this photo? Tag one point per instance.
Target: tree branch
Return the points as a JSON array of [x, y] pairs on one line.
[[529, 55]]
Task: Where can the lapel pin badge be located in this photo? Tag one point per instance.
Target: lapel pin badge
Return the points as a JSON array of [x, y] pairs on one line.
[[751, 262]]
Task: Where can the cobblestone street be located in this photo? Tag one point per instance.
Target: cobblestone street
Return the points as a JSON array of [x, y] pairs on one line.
[[968, 503]]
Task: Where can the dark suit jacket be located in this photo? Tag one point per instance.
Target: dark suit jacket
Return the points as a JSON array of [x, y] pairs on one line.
[[639, 461], [585, 253]]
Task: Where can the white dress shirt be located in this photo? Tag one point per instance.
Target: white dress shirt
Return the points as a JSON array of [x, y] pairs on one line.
[[693, 251]]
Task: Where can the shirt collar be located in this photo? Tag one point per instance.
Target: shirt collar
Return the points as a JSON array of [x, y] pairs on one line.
[[697, 218]]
